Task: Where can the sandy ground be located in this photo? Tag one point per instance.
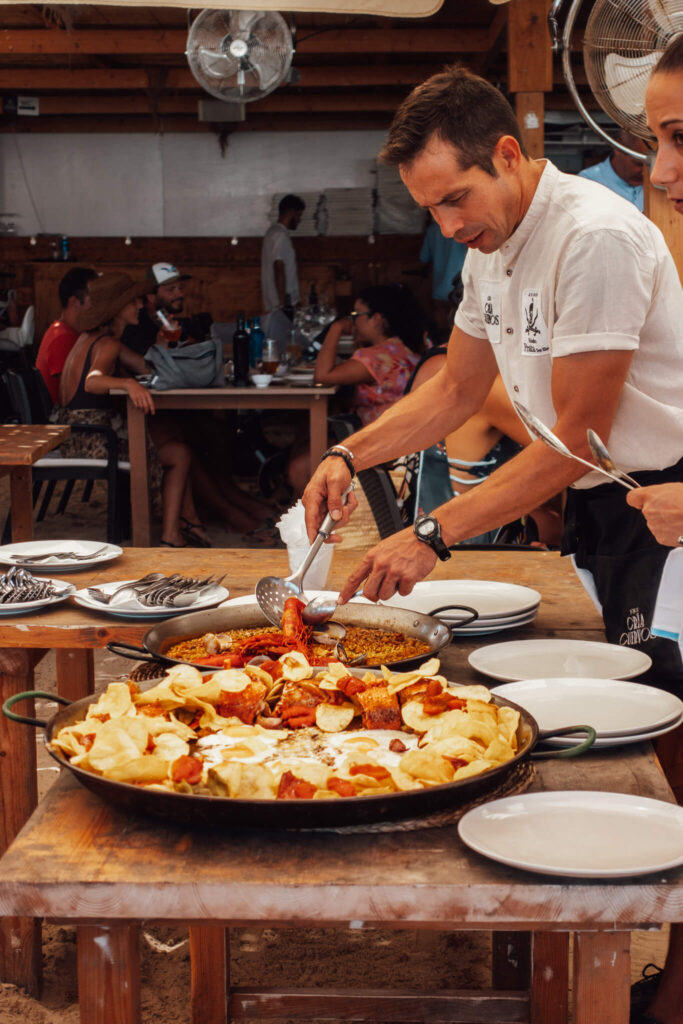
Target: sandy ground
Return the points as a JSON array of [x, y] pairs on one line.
[[291, 958]]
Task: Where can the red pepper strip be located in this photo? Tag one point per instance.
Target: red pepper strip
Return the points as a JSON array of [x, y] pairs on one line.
[[375, 771], [186, 769], [341, 786]]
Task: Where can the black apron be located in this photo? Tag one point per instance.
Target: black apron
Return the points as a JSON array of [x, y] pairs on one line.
[[612, 541]]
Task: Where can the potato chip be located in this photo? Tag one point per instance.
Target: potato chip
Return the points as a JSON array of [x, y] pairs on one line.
[[334, 717], [295, 667], [499, 751], [116, 701], [508, 723], [474, 768], [141, 769], [170, 746], [243, 781], [428, 767]]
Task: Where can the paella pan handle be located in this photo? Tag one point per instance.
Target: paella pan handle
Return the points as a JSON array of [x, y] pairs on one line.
[[473, 614], [580, 748], [130, 651], [29, 695]]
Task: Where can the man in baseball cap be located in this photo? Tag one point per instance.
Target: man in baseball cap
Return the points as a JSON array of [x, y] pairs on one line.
[[166, 295]]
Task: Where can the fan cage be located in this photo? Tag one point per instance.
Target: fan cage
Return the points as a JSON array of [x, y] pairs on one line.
[[622, 43]]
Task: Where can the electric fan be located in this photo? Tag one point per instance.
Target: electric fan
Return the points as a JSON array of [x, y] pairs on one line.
[[623, 41], [239, 56]]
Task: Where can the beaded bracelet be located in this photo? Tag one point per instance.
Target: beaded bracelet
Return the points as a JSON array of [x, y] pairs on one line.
[[340, 455]]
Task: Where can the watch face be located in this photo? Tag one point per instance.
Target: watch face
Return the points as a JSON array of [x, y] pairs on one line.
[[426, 528]]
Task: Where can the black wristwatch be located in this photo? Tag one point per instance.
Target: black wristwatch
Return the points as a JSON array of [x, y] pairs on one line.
[[428, 530]]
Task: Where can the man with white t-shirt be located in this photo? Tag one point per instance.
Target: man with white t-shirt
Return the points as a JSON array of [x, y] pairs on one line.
[[279, 278], [572, 296]]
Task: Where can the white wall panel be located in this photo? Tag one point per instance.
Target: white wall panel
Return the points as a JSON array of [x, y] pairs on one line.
[[175, 184]]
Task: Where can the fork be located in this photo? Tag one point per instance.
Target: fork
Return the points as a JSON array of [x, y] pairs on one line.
[[144, 582], [165, 595], [59, 554]]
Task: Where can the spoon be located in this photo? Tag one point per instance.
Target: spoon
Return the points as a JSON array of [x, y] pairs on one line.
[[272, 591], [322, 608], [604, 459], [543, 433]]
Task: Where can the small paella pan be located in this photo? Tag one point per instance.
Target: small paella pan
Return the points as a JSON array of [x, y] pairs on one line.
[[371, 635]]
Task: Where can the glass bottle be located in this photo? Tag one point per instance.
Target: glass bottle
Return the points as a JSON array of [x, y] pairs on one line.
[[240, 353], [256, 343]]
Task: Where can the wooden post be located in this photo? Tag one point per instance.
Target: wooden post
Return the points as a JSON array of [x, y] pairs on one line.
[[530, 67], [661, 212]]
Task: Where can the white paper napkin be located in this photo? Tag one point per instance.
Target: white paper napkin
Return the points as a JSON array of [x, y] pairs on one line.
[[667, 620], [292, 527]]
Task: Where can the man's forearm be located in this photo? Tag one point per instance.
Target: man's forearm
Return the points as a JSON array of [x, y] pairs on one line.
[[417, 421]]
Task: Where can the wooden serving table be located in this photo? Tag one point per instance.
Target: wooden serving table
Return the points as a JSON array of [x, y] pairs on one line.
[[80, 859], [313, 399], [20, 447]]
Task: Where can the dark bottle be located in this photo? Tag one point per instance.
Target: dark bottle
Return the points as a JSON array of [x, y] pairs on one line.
[[288, 308], [313, 296], [240, 353], [256, 339]]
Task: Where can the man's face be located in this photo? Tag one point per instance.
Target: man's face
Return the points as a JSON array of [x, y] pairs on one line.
[[295, 219], [470, 206], [171, 297], [77, 306], [628, 169]]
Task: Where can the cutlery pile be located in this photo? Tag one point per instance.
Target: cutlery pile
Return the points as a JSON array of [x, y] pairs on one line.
[[18, 586], [157, 590], [68, 556]]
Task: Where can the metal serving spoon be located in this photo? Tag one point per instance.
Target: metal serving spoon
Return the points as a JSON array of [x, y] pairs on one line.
[[604, 459], [543, 433], [272, 591], [322, 608]]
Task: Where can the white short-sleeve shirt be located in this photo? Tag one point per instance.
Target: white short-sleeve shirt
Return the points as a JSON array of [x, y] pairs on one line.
[[585, 271], [277, 245]]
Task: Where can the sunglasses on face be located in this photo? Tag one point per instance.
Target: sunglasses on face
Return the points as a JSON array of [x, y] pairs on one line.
[[355, 313]]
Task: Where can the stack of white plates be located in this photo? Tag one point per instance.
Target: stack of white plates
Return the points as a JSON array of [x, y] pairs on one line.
[[620, 711], [349, 211], [499, 606]]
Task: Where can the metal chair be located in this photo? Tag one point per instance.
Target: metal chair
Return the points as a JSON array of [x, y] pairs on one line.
[[30, 403], [18, 341]]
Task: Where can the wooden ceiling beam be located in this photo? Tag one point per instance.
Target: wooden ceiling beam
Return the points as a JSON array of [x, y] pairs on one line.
[[126, 105], [64, 79], [185, 123], [173, 41]]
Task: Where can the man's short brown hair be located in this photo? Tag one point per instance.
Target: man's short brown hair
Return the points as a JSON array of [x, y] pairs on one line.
[[458, 107]]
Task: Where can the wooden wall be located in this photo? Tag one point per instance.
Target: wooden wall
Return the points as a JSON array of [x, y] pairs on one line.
[[226, 279]]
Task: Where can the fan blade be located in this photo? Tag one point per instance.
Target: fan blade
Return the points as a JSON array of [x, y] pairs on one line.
[[217, 64], [626, 79], [667, 14], [242, 21]]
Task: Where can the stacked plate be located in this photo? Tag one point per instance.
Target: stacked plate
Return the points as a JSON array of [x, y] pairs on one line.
[[63, 555], [621, 712], [500, 606]]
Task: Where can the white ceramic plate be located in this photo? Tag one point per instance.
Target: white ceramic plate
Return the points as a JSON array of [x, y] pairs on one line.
[[559, 742], [550, 658], [486, 628], [8, 553], [491, 599], [64, 590], [310, 594], [580, 834], [613, 707], [208, 600]]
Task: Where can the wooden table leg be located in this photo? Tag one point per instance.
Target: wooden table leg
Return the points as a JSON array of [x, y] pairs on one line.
[[20, 938], [549, 977], [75, 672], [317, 428], [510, 960], [209, 974], [602, 977], [21, 503], [109, 974], [139, 477]]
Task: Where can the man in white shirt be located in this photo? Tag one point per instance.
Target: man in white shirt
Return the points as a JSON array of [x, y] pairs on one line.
[[279, 279], [574, 298], [620, 172]]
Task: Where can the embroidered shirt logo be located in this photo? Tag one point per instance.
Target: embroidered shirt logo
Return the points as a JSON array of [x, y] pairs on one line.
[[636, 631], [490, 292], [534, 330]]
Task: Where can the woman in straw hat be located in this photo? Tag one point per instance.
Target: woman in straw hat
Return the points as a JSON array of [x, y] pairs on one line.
[[98, 362]]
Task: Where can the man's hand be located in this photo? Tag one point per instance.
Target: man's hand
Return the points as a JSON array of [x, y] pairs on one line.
[[323, 494], [662, 506], [395, 564]]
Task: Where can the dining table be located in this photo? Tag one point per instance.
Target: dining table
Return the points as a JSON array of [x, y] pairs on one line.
[[312, 398], [22, 445], [77, 858]]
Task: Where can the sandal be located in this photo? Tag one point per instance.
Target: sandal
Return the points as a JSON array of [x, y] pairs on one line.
[[168, 544], [190, 532]]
